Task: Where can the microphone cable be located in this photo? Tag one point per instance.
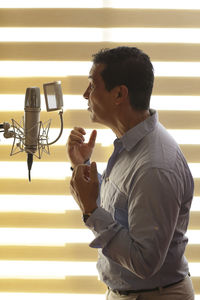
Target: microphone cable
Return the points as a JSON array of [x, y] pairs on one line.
[[61, 129]]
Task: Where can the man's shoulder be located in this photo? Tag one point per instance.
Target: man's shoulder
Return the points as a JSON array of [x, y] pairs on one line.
[[159, 149]]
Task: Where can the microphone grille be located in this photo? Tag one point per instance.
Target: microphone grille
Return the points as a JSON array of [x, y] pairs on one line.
[[32, 97]]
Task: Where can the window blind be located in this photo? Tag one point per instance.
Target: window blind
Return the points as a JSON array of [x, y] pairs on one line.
[[44, 245]]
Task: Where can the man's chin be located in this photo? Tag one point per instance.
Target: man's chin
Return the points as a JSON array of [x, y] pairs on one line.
[[93, 117]]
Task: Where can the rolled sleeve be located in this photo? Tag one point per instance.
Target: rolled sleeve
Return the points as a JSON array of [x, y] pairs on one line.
[[103, 226]]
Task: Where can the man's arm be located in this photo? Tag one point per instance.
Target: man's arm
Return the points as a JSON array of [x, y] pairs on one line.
[[153, 209], [84, 187]]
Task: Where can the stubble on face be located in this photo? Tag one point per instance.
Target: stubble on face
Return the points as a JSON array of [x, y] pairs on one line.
[[96, 93], [100, 100]]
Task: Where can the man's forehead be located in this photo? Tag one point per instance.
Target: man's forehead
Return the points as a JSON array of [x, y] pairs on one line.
[[95, 71]]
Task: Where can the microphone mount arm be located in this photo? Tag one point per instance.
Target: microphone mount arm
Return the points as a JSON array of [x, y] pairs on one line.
[[7, 133], [19, 136]]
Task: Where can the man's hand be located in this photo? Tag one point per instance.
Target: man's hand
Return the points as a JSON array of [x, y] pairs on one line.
[[84, 187], [77, 150]]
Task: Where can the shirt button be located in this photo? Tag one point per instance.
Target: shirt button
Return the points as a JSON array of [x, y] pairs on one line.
[[106, 179]]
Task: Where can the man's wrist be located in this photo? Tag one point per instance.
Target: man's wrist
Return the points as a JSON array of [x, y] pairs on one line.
[[85, 163], [87, 215]]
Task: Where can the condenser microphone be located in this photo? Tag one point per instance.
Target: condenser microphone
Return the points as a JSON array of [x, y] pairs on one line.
[[31, 135], [32, 108]]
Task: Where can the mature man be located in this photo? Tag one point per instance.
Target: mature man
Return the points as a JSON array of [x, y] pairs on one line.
[[138, 209]]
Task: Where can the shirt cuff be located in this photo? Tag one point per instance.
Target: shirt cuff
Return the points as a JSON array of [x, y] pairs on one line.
[[103, 226], [87, 162]]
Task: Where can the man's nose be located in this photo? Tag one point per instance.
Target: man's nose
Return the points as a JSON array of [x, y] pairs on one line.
[[86, 94]]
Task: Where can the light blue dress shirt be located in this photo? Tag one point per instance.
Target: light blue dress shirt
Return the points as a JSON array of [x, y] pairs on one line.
[[143, 214]]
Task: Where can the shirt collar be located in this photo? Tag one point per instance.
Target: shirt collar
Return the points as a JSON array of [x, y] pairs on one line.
[[135, 134]]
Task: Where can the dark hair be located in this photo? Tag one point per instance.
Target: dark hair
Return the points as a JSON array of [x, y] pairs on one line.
[[131, 67]]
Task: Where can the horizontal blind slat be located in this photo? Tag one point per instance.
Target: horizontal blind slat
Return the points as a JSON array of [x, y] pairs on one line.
[[193, 253], [75, 85], [101, 17], [194, 223], [71, 51], [70, 85], [170, 119], [74, 284], [57, 153], [71, 118], [191, 153], [176, 86], [180, 119], [37, 187], [48, 187], [69, 252], [69, 219], [100, 154]]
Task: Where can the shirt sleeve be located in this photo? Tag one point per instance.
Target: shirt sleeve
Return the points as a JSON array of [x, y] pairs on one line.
[[153, 209]]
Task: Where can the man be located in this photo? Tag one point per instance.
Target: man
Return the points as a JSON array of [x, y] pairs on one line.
[[140, 213]]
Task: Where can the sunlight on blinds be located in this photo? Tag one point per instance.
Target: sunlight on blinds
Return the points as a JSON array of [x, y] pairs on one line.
[[170, 4], [46, 296], [44, 250], [45, 237], [79, 68], [43, 203], [51, 4], [127, 35], [43, 170], [51, 34]]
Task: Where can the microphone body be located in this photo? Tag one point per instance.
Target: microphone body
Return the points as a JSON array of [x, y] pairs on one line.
[[31, 124], [32, 119]]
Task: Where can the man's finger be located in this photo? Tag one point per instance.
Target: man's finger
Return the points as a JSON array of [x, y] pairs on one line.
[[93, 172], [80, 129], [77, 133], [92, 139], [76, 138]]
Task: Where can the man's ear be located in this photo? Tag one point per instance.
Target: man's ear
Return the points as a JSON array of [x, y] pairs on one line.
[[121, 94]]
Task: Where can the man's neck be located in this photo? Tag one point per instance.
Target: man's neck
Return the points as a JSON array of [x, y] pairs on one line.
[[125, 122]]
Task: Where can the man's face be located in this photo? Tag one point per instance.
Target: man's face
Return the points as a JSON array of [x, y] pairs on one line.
[[100, 101]]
